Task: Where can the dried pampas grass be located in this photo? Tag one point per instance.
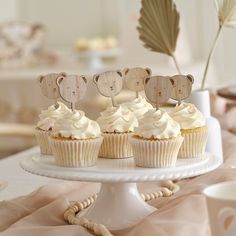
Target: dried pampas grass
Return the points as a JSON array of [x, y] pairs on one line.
[[227, 17]]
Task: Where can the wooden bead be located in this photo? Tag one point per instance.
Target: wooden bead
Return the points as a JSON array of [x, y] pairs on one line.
[[80, 206], [160, 193], [84, 221], [156, 194], [152, 196], [166, 192], [148, 197], [75, 208]]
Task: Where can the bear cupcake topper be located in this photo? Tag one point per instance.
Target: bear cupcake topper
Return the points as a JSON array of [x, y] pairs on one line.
[[48, 85], [182, 87], [158, 89], [134, 78], [72, 88], [109, 84]]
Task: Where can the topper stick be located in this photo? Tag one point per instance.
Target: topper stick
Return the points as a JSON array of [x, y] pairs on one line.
[[179, 99], [157, 105], [72, 106], [114, 104], [55, 103]]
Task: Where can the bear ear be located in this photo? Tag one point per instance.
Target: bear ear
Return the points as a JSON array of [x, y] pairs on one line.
[[59, 80], [63, 74], [119, 73], [40, 79], [172, 81], [149, 71], [146, 80], [84, 79], [126, 70], [95, 78], [190, 78]]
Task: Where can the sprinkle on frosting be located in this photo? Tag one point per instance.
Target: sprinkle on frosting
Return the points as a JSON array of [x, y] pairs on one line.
[[49, 116], [139, 106], [117, 119], [188, 116], [76, 125], [157, 124]]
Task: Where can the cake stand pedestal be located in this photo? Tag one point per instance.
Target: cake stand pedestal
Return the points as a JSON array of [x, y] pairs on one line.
[[119, 204]]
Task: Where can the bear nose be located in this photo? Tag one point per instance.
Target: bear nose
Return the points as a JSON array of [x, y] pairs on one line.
[[73, 92], [159, 93], [179, 90], [54, 89], [111, 87]]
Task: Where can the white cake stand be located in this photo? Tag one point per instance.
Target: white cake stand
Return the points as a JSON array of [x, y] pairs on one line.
[[119, 204]]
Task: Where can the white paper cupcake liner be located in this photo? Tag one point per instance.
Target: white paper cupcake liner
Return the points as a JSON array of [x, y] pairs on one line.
[[116, 146], [75, 153], [194, 144], [156, 153], [43, 141]]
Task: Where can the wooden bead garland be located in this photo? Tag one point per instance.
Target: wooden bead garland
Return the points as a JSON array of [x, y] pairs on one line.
[[168, 189]]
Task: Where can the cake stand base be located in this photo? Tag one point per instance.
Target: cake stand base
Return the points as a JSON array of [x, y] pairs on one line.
[[118, 206]]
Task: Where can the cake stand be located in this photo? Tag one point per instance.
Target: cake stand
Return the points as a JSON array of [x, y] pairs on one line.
[[119, 204]]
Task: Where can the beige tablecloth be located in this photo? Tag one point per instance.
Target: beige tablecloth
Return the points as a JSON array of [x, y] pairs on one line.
[[185, 213]]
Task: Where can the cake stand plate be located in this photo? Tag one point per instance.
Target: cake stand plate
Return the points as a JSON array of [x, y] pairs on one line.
[[119, 204]]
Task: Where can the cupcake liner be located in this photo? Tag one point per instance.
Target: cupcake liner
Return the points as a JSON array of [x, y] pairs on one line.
[[194, 144], [75, 153], [155, 153], [43, 141], [116, 146]]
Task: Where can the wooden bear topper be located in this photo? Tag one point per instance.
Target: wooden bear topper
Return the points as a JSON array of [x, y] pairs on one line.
[[72, 88], [158, 89], [182, 86], [109, 84], [134, 78], [48, 85]]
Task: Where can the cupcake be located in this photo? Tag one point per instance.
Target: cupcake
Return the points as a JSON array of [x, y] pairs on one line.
[[46, 122], [157, 140], [139, 106], [193, 129], [75, 140], [117, 125]]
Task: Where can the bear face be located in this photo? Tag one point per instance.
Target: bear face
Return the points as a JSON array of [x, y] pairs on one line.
[[134, 78], [48, 85], [182, 86], [158, 89], [72, 88], [109, 83]]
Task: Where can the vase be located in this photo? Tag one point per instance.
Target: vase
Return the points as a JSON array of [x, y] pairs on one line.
[[201, 99]]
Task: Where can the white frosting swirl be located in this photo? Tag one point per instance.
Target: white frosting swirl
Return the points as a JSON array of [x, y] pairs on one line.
[[117, 119], [157, 124], [188, 116], [76, 125], [49, 116], [139, 106]]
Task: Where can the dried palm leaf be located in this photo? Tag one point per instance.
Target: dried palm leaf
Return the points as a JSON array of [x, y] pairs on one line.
[[159, 26], [227, 17]]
